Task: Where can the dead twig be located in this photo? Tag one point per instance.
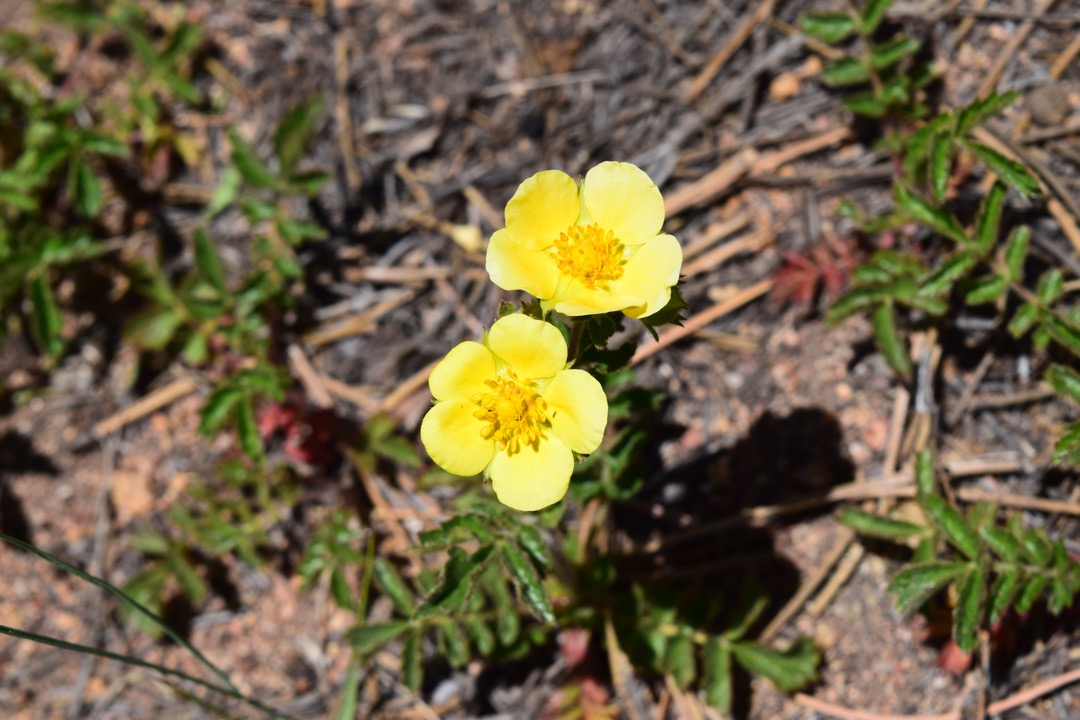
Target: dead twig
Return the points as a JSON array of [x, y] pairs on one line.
[[725, 53], [156, 400], [1009, 703]]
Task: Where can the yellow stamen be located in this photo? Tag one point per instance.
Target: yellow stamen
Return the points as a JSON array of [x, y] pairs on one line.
[[515, 414], [591, 255]]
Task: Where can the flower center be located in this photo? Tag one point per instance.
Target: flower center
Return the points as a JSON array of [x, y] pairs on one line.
[[515, 414], [590, 254]]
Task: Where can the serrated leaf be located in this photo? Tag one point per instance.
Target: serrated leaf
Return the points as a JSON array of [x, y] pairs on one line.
[[1016, 251], [248, 164], [530, 587], [247, 430], [830, 27], [454, 644], [1003, 592], [941, 280], [1063, 332], [507, 622], [366, 639], [1001, 542], [940, 165], [86, 194], [1022, 320], [1051, 285], [936, 218], [45, 320], [294, 133], [873, 14], [878, 526], [867, 104], [716, 668], [412, 672], [217, 408], [845, 71], [1060, 596], [986, 289], [917, 583], [1031, 591], [1036, 547], [533, 543], [390, 583], [955, 526], [1064, 380], [208, 262], [788, 669], [986, 229], [679, 659], [976, 113], [888, 341], [450, 595], [1012, 173], [967, 617], [481, 636], [893, 51]]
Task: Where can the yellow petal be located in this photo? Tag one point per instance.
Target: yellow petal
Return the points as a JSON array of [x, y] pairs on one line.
[[513, 266], [595, 302], [451, 436], [461, 374], [532, 478], [543, 206], [577, 409], [650, 272], [531, 348], [620, 197]]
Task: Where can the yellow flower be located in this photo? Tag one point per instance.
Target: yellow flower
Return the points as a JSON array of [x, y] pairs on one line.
[[587, 249], [509, 407]]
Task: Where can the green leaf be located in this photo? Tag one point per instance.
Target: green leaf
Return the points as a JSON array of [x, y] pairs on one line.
[[872, 15], [349, 690], [530, 539], [531, 589], [454, 644], [893, 51], [957, 530], [45, 321], [247, 430], [924, 473], [888, 341], [1063, 332], [1064, 380], [1051, 285], [947, 273], [1022, 320], [853, 301], [917, 583], [1001, 596], [391, 584], [507, 622], [845, 71], [830, 27], [340, 590], [308, 182], [86, 193], [1036, 547], [867, 104], [967, 616], [225, 192], [153, 328], [450, 595], [976, 113], [251, 168], [716, 661], [940, 166], [480, 634], [1060, 596], [986, 230], [412, 672], [1016, 251], [1032, 590], [208, 262], [1014, 174], [869, 524], [1001, 542], [679, 659], [936, 218], [986, 289], [788, 669], [218, 407], [294, 132], [366, 639]]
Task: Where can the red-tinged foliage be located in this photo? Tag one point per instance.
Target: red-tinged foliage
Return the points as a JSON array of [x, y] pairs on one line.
[[824, 269], [308, 435]]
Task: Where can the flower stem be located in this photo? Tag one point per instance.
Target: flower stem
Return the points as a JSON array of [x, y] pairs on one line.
[[574, 345]]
